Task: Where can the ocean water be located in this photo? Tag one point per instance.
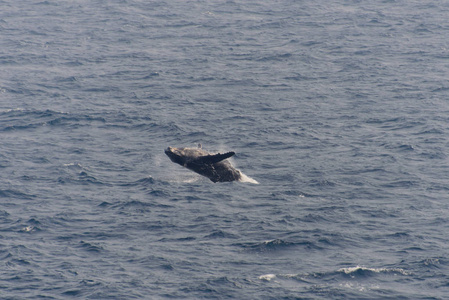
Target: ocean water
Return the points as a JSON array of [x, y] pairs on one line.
[[338, 109]]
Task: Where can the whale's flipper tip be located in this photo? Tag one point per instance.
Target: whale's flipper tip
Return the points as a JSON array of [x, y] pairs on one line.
[[213, 159]]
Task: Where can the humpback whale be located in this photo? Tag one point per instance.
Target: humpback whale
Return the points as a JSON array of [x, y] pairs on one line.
[[213, 166]]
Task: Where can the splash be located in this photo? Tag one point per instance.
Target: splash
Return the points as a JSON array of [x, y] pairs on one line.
[[248, 179]]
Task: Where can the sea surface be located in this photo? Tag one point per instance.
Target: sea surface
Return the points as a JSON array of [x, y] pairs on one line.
[[338, 109]]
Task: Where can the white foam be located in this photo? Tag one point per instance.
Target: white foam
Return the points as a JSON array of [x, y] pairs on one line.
[[267, 277], [375, 270], [28, 228], [248, 179], [10, 110]]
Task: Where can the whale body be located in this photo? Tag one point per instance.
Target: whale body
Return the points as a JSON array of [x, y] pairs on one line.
[[213, 166]]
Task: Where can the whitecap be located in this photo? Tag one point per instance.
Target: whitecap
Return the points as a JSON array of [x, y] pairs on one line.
[[28, 228], [11, 110], [351, 270]]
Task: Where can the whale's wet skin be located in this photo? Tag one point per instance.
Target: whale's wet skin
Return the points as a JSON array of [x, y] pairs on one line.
[[213, 166]]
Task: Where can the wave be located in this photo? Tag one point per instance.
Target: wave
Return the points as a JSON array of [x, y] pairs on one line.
[[15, 194], [219, 234], [357, 272], [364, 271], [144, 182], [78, 174], [275, 245], [22, 119]]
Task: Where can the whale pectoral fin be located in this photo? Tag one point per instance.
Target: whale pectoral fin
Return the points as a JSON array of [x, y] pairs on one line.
[[212, 159]]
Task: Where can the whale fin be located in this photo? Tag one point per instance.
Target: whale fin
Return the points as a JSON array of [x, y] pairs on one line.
[[213, 159]]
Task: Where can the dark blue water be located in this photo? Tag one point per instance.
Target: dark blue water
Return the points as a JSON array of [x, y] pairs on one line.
[[339, 109]]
